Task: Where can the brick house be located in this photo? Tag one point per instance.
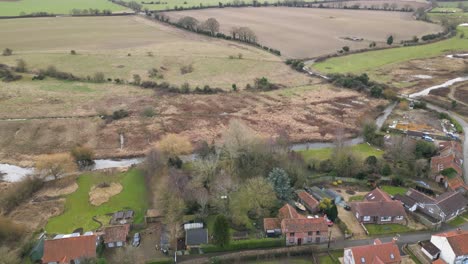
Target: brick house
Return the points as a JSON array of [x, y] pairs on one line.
[[308, 201], [377, 253], [450, 156], [379, 208], [67, 250], [305, 230]]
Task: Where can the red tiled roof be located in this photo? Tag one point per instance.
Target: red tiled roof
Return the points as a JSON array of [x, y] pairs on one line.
[[287, 211], [449, 147], [304, 225], [439, 261], [308, 199], [116, 233], [64, 250], [440, 163], [271, 223], [455, 183], [376, 254], [377, 195], [458, 241]]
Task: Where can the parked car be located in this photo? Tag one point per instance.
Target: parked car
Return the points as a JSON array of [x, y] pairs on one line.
[[428, 138], [347, 208], [136, 240]]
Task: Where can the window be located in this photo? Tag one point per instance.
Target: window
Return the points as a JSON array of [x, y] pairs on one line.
[[291, 234], [309, 233], [399, 217], [318, 233], [366, 218], [385, 218], [291, 240], [309, 240]]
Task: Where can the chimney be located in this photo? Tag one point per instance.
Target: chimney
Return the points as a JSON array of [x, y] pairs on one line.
[[395, 239], [459, 231]]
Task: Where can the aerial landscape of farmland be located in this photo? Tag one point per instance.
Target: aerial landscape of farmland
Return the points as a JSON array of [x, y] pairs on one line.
[[202, 131]]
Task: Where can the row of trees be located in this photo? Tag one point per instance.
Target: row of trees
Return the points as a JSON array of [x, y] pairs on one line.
[[90, 12]]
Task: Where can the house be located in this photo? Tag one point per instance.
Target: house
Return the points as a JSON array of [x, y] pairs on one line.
[[308, 201], [287, 211], [450, 156], [272, 227], [378, 253], [430, 250], [442, 208], [378, 208], [453, 246], [196, 237], [67, 249], [301, 231], [116, 236]]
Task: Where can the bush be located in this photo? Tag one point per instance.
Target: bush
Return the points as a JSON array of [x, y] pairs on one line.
[[149, 112], [99, 77], [72, 52], [7, 75], [103, 185], [83, 156], [246, 244], [20, 192], [119, 114], [7, 52], [186, 69], [21, 66]]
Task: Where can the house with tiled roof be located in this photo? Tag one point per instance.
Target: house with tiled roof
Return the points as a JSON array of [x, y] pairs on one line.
[[450, 156], [442, 208], [296, 228], [453, 246], [67, 249], [378, 208], [304, 230], [116, 236], [377, 253], [308, 201]]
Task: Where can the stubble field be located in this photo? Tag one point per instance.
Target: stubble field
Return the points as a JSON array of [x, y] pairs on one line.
[[60, 114], [311, 32]]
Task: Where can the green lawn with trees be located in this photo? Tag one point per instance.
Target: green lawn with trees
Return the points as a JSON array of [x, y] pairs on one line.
[[58, 7], [369, 61], [362, 150], [79, 212]]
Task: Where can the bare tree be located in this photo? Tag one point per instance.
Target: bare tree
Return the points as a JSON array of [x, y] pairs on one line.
[[212, 25], [188, 22], [55, 165]]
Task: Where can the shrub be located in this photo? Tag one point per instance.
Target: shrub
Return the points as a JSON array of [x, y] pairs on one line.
[[136, 79], [149, 112], [345, 49], [186, 69], [7, 52], [7, 75], [21, 66], [119, 114], [83, 156], [103, 185], [20, 192], [72, 52], [10, 232], [99, 77]]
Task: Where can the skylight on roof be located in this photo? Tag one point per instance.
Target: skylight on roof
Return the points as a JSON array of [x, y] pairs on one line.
[[392, 256], [363, 260]]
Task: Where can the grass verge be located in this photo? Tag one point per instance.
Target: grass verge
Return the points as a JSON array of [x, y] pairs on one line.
[[246, 244], [386, 229]]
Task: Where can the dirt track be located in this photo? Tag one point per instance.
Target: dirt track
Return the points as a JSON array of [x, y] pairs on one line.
[[322, 30]]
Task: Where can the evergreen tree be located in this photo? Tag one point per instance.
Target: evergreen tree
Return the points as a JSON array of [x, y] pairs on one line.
[[281, 183], [221, 234]]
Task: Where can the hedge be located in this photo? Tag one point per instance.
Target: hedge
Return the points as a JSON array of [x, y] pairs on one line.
[[164, 261], [246, 244]]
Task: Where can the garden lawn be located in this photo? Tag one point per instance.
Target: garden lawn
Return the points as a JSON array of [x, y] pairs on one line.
[[79, 212], [392, 190], [356, 198], [457, 221], [362, 150], [58, 7], [368, 61], [375, 229]]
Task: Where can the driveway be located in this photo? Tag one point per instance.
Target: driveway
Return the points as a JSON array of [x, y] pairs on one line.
[[348, 218]]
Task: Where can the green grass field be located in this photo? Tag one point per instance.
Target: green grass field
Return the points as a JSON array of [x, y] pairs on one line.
[[79, 212], [356, 198], [392, 190], [172, 4], [451, 3], [446, 10], [58, 7], [457, 221], [362, 151], [369, 61], [375, 229]]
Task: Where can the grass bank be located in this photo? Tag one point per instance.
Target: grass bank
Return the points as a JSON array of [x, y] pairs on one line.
[[79, 212], [362, 151], [368, 61]]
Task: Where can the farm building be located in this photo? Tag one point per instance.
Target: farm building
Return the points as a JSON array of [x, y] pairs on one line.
[[430, 250], [116, 236], [287, 211], [65, 249], [308, 201], [323, 193], [122, 217], [196, 237], [301, 231], [152, 216], [272, 227]]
